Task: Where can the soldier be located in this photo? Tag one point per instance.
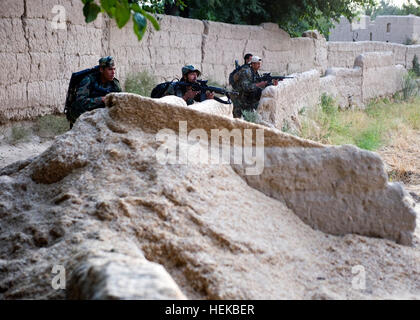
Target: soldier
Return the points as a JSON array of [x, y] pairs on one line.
[[233, 80], [249, 88], [93, 88], [189, 75], [247, 58]]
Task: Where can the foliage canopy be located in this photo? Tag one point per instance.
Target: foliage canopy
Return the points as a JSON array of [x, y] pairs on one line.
[[294, 16], [122, 10]]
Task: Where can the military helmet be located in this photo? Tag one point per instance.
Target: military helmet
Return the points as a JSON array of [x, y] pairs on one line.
[[188, 69], [106, 62]]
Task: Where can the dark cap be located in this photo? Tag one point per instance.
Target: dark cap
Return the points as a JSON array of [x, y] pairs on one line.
[[106, 62], [188, 69], [247, 56]]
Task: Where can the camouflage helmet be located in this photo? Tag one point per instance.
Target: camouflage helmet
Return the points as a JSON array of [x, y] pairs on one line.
[[187, 69], [106, 62]]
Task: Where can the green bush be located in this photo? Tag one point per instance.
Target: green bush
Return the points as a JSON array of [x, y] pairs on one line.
[[251, 116], [409, 86], [19, 134], [328, 104], [141, 83], [51, 125], [370, 138]]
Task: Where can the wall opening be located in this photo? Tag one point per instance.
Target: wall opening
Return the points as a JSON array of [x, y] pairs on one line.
[[388, 27], [370, 36]]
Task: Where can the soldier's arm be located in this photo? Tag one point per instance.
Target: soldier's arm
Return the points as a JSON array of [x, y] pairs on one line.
[[83, 99], [179, 93]]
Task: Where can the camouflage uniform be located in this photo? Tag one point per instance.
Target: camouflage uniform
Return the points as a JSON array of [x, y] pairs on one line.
[[249, 93], [91, 90], [179, 91]]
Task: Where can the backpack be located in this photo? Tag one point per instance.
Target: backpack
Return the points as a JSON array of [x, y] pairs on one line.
[[160, 90], [76, 78], [233, 75]]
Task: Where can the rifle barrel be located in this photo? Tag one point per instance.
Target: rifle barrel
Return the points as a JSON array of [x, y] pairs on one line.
[[204, 87]]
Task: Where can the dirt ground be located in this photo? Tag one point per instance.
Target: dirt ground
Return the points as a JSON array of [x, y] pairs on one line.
[[21, 151], [402, 161]]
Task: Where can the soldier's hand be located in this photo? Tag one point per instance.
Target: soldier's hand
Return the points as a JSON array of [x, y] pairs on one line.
[[261, 84], [275, 82], [209, 95], [190, 94]]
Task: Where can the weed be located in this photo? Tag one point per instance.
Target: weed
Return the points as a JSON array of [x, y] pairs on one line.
[[370, 139], [18, 134], [251, 116], [50, 126], [141, 83], [409, 86]]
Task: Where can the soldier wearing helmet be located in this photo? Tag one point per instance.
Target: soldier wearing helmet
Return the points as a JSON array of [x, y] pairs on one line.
[[189, 75], [94, 87]]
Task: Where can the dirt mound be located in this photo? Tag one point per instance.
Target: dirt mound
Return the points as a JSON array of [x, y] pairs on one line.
[[98, 203]]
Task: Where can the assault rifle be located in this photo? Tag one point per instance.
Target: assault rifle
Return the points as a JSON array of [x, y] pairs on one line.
[[269, 78], [201, 85]]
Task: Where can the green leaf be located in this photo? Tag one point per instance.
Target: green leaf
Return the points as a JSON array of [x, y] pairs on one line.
[[136, 7], [122, 13], [149, 17], [86, 1], [139, 25], [91, 11], [140, 20], [108, 6]]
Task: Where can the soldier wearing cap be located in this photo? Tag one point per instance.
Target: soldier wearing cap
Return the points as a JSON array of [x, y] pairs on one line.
[[189, 75], [93, 88], [249, 88]]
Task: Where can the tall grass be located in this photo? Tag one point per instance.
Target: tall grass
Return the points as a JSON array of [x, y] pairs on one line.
[[141, 83], [410, 87], [251, 116], [50, 125], [18, 134], [368, 129]]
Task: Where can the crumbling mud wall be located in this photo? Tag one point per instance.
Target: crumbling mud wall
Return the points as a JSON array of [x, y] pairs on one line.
[[374, 74], [38, 58], [386, 28], [213, 47], [380, 75], [161, 53], [342, 54], [223, 43], [101, 203], [280, 105], [353, 197]]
